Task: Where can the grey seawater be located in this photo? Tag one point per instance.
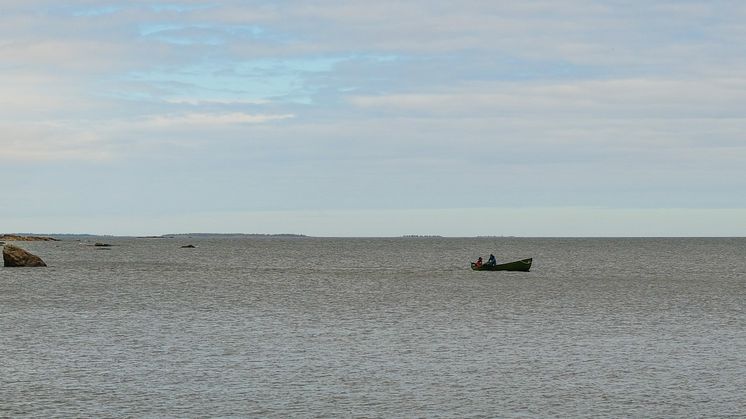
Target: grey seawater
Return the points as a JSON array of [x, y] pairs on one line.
[[323, 327]]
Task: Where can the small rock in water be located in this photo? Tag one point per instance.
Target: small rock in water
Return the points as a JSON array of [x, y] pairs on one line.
[[16, 257], [189, 246]]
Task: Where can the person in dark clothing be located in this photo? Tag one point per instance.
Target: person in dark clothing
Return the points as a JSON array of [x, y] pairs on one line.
[[491, 260]]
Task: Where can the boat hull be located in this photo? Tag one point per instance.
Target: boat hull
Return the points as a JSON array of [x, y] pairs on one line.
[[523, 265]]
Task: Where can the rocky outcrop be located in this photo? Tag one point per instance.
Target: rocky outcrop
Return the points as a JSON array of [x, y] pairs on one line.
[[17, 238], [16, 257]]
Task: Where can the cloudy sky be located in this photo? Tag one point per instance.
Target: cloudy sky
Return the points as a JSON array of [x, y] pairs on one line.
[[374, 118]]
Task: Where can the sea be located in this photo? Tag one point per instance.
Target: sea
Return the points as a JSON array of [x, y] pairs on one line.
[[303, 327]]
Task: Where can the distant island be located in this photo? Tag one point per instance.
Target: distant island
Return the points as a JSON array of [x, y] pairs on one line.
[[418, 236], [495, 237], [227, 235], [25, 238]]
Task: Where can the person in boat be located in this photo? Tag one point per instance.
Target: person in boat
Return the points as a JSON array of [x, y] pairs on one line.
[[479, 262], [491, 261]]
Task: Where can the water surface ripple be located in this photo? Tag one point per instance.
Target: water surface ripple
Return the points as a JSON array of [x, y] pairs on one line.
[[322, 327]]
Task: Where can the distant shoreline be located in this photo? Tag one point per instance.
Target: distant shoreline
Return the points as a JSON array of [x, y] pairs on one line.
[[26, 238], [58, 237], [231, 235]]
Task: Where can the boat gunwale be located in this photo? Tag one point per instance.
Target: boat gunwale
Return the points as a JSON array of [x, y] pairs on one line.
[[522, 265]]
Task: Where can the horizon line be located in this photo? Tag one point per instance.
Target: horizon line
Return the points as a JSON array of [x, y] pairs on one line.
[[413, 236]]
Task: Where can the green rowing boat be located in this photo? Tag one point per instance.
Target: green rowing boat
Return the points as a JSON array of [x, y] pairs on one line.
[[519, 265]]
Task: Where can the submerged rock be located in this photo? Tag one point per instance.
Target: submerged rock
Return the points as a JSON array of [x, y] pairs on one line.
[[16, 257]]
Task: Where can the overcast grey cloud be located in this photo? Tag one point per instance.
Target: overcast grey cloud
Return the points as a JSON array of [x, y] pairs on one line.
[[349, 118]]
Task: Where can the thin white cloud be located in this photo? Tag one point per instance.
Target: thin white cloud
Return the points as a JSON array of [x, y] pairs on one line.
[[30, 142], [651, 98], [202, 119], [214, 101], [95, 140]]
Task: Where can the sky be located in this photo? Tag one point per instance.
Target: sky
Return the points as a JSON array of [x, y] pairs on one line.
[[374, 118]]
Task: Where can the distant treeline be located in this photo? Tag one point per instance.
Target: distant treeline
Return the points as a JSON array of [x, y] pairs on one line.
[[227, 235], [82, 236]]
